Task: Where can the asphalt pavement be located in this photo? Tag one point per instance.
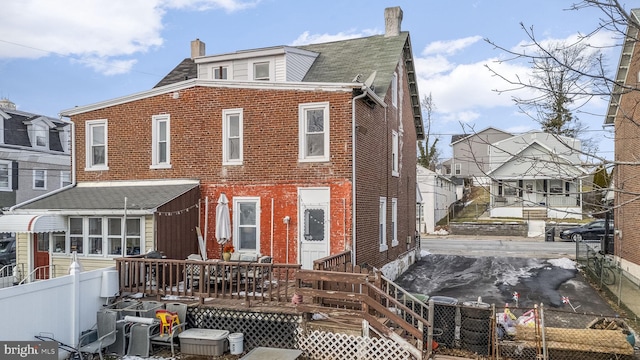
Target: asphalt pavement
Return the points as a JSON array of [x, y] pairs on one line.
[[494, 268]]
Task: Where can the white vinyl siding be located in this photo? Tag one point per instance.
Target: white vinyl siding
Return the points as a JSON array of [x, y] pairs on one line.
[[96, 145], [232, 136], [161, 142], [313, 125]]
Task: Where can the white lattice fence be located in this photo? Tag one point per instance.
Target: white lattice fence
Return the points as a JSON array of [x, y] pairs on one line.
[[332, 346]]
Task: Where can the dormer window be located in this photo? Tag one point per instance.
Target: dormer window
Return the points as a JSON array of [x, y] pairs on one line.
[[41, 135], [261, 71], [220, 73]]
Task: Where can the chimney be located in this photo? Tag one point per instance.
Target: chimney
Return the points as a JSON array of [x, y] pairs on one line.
[[392, 21], [197, 48]]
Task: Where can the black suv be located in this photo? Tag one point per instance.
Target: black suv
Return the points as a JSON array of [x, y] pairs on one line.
[[7, 251]]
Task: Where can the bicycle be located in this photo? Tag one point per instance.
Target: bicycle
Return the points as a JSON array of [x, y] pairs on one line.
[[599, 264]]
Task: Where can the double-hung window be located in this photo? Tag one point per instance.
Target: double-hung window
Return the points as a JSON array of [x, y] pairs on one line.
[[65, 178], [5, 175], [232, 137], [395, 162], [246, 224], [39, 179], [394, 222], [96, 145], [313, 119], [41, 136], [161, 145], [382, 224], [220, 72]]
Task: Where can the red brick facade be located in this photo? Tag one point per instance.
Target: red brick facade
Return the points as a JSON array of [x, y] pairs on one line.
[[270, 168]]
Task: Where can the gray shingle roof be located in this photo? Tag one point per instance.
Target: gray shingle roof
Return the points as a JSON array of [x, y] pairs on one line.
[[15, 129], [139, 197], [186, 70], [342, 61]]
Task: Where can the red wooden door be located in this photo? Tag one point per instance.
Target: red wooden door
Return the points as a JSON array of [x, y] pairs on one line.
[[41, 256]]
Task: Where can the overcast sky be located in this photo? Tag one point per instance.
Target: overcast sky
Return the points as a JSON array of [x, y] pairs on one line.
[[57, 54]]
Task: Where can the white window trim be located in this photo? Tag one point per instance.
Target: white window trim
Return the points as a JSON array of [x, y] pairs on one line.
[[227, 65], [394, 221], [34, 129], [272, 68], [382, 224], [9, 175], [65, 174], [155, 137], [394, 89], [105, 238], [88, 142], [395, 161], [33, 182], [225, 136], [457, 169], [236, 229], [302, 139]]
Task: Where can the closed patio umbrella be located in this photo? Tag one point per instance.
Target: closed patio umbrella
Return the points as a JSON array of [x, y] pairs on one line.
[[223, 221]]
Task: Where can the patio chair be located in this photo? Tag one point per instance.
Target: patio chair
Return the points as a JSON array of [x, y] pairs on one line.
[[256, 274], [170, 336], [148, 308], [105, 331]]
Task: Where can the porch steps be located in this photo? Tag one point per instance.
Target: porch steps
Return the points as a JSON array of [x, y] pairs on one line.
[[534, 214]]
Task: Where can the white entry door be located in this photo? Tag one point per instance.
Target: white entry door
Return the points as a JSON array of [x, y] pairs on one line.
[[313, 225]]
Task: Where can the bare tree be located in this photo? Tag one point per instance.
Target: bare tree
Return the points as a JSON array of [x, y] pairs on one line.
[[429, 153]]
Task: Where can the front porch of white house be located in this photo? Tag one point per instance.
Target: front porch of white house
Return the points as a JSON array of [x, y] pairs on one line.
[[528, 198]]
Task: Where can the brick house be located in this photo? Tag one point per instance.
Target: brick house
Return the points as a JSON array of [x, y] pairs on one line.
[[623, 115], [314, 146]]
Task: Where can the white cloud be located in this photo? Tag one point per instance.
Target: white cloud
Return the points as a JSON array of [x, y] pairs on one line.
[[307, 38], [202, 5], [450, 47], [95, 32]]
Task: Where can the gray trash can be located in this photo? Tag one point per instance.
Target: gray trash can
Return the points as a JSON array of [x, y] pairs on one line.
[[550, 234], [444, 319]]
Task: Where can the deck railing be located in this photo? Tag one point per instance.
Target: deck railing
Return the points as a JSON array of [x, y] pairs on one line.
[[251, 281]]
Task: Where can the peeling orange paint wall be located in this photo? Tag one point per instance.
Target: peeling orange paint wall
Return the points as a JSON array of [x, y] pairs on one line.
[[276, 202]]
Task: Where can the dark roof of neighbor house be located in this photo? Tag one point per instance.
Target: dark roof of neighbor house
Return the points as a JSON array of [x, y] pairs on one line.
[[146, 196], [187, 69], [15, 129]]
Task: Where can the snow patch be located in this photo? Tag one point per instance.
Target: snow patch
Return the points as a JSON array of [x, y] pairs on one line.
[[563, 263]]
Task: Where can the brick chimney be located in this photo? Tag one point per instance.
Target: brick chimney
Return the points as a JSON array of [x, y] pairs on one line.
[[392, 21], [197, 48]]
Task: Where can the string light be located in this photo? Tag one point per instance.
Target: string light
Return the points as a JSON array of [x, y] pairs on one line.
[[178, 212]]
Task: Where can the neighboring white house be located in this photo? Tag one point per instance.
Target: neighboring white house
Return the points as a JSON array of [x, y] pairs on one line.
[[438, 192], [536, 175]]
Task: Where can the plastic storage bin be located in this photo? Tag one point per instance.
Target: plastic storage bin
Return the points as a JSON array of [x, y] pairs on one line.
[[207, 342]]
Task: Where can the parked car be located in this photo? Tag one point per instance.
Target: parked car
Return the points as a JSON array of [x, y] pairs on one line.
[[591, 231], [7, 251]]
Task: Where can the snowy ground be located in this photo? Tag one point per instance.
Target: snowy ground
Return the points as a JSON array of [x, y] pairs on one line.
[[496, 279]]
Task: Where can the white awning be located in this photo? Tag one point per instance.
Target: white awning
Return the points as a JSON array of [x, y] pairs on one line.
[[32, 223]]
